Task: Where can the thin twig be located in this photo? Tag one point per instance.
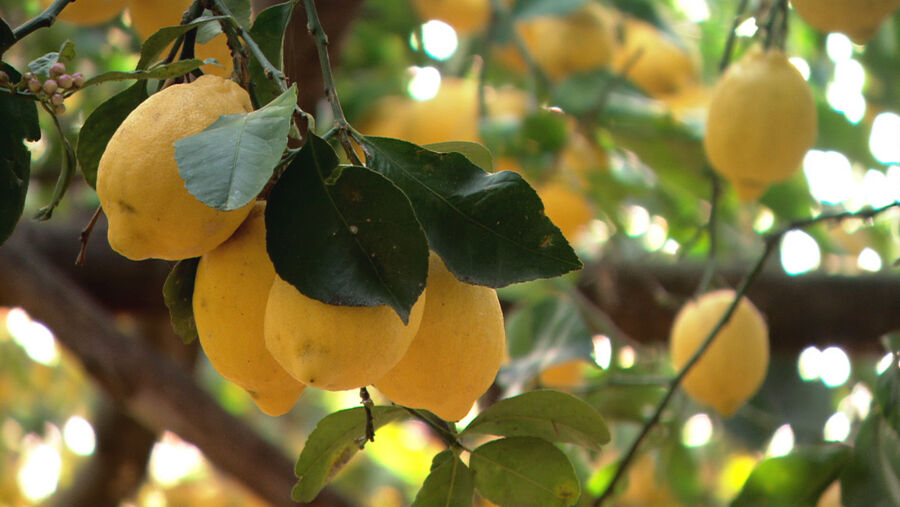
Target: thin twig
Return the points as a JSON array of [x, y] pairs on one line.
[[712, 232], [732, 35], [270, 70], [85, 235], [771, 242], [367, 404], [42, 20]]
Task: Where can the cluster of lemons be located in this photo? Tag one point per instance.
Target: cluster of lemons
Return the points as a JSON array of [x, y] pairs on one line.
[[258, 330], [147, 17]]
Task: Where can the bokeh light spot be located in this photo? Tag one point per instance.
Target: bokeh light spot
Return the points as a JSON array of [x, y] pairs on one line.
[[439, 39], [835, 367], [799, 253], [697, 431]]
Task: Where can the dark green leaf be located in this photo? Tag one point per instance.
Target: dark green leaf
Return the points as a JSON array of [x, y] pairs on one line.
[[450, 483], [166, 71], [345, 236], [550, 415], [240, 9], [66, 173], [330, 446], [872, 477], [20, 122], [476, 153], [178, 294], [102, 124], [42, 65], [543, 334], [795, 480], [525, 472], [153, 47], [268, 32], [7, 37], [524, 9], [229, 162], [490, 229], [887, 393]]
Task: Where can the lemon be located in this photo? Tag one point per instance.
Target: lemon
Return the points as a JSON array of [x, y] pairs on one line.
[[567, 374], [150, 212], [89, 12], [859, 19], [761, 122], [335, 347], [456, 353], [230, 292], [734, 366], [465, 16], [563, 45], [653, 61], [566, 208]]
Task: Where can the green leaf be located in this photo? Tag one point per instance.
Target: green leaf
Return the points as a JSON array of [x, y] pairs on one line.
[[550, 415], [153, 47], [542, 334], [268, 32], [887, 393], [490, 229], [795, 480], [241, 11], [345, 236], [20, 122], [525, 472], [7, 37], [227, 164], [872, 477], [166, 71], [102, 124], [178, 294], [476, 153], [450, 483], [330, 446], [524, 9], [41, 66]]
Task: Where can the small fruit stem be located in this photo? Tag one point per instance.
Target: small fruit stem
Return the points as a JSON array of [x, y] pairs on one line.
[[777, 37], [732, 35], [85, 235], [367, 404], [771, 242], [345, 131]]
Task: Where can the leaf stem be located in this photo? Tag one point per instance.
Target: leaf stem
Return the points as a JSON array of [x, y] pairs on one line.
[[42, 20], [771, 241], [345, 131], [442, 430]]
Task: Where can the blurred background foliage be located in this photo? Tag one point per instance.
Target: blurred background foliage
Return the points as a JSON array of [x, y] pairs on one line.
[[620, 166]]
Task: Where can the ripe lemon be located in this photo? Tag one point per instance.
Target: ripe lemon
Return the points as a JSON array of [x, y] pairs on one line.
[[230, 292], [89, 12], [761, 122], [859, 19], [734, 366], [566, 208], [465, 16], [655, 63], [150, 212], [563, 45], [456, 353], [335, 347], [567, 374]]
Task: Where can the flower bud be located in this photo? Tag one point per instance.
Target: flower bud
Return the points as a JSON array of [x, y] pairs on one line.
[[65, 81], [78, 79], [57, 69], [28, 76], [4, 78], [34, 86], [59, 109], [57, 99], [50, 86]]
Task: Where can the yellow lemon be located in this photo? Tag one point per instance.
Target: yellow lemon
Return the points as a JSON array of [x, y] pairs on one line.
[[734, 366], [230, 292], [567, 374], [456, 353], [465, 16], [566, 208], [150, 212], [653, 61], [335, 347], [89, 12], [761, 122], [148, 16], [859, 19]]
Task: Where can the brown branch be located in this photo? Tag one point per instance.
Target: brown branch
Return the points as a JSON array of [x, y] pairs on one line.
[[154, 389]]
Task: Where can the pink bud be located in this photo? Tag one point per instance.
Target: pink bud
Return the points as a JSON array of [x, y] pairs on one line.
[[57, 99], [65, 81], [34, 86], [57, 69], [50, 86], [78, 78], [60, 109]]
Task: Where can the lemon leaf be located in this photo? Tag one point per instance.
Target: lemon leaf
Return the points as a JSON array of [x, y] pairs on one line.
[[490, 229], [550, 415], [178, 294], [524, 471], [153, 47], [797, 479], [476, 153], [268, 32], [450, 483], [330, 446], [872, 477], [20, 122], [345, 235], [227, 164]]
